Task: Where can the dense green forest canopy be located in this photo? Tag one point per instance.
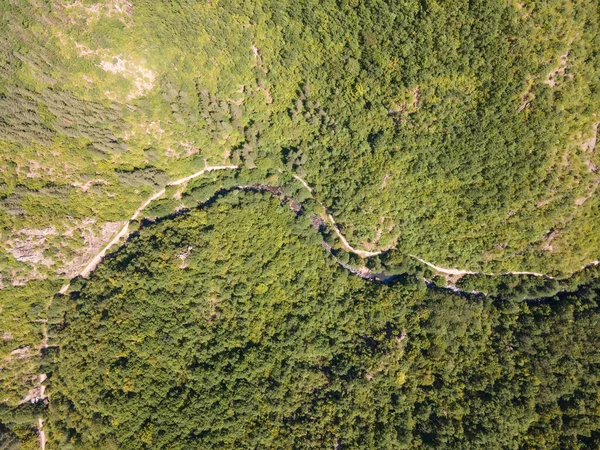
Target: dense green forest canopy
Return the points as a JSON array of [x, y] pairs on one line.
[[231, 327], [462, 132]]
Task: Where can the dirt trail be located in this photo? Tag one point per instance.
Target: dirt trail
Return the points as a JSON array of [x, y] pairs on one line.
[[448, 271], [201, 172], [467, 272], [125, 229], [42, 433], [452, 271], [362, 253], [308, 188], [346, 244]]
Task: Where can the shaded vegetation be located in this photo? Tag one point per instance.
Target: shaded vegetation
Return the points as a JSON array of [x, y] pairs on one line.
[[230, 326]]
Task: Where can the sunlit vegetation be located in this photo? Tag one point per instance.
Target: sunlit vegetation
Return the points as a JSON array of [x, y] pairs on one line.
[[456, 131], [463, 132]]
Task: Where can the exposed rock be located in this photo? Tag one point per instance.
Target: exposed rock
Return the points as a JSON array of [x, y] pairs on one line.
[[31, 247], [143, 78], [21, 353], [94, 238], [317, 222], [593, 167], [183, 255], [560, 70], [590, 144]]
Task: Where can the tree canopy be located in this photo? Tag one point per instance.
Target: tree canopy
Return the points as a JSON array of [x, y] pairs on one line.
[[231, 326]]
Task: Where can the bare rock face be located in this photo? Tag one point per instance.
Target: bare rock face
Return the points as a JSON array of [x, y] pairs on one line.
[[590, 144], [317, 222], [30, 247], [94, 238]]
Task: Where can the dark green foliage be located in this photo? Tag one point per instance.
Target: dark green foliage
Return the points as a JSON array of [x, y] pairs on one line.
[[8, 440], [20, 122], [453, 130], [69, 116], [527, 287], [17, 425], [227, 328], [20, 415], [13, 203]]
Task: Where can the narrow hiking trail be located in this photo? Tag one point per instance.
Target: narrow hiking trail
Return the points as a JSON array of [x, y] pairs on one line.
[[459, 272], [346, 244], [42, 433], [444, 270], [123, 232], [125, 229]]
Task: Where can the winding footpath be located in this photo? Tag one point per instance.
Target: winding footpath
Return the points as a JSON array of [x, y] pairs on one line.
[[444, 270], [346, 244], [460, 272], [124, 231]]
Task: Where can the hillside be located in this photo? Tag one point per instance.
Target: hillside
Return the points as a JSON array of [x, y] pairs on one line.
[[450, 143], [198, 336]]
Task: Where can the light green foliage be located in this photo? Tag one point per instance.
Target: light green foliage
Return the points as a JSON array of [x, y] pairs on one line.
[[16, 431], [454, 131], [22, 320]]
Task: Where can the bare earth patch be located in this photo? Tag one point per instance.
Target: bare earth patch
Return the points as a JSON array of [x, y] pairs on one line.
[[385, 180], [183, 255], [258, 58], [593, 167], [34, 169], [403, 108], [143, 78], [153, 129], [547, 246], [527, 96], [93, 239], [590, 144], [37, 392], [190, 149], [122, 9], [20, 353], [30, 247], [88, 184], [378, 233]]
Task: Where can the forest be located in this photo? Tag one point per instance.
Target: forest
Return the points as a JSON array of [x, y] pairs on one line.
[[231, 327], [243, 310]]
